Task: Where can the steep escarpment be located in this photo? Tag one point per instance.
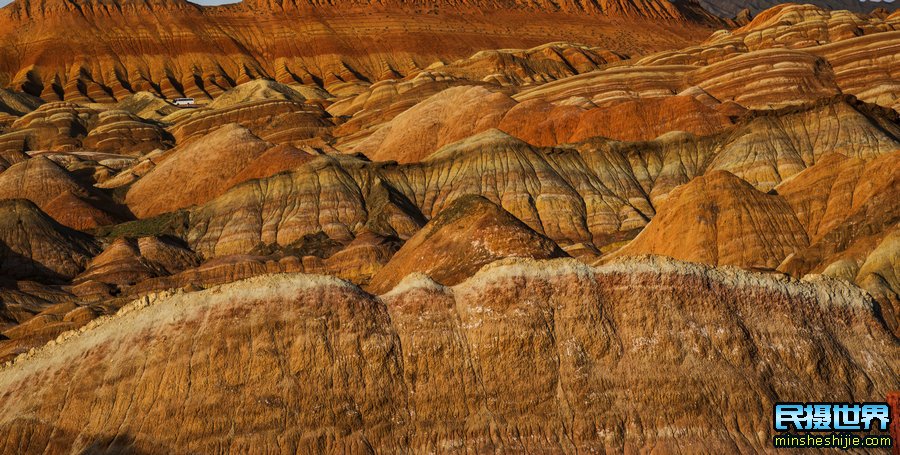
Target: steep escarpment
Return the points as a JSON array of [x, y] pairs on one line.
[[537, 356], [202, 51]]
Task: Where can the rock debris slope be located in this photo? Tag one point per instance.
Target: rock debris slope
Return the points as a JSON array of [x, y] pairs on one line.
[[525, 356]]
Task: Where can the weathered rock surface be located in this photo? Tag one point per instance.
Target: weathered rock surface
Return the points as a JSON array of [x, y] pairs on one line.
[[528, 66], [360, 260], [442, 119], [276, 120], [43, 327], [257, 90], [124, 133], [536, 356], [543, 123], [731, 8], [34, 245], [15, 104], [69, 127], [772, 146], [206, 167], [597, 191], [468, 234], [372, 142], [130, 261], [146, 105], [57, 193], [720, 219], [21, 300], [790, 55], [202, 51]]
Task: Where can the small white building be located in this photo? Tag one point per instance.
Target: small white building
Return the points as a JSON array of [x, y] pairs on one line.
[[183, 101]]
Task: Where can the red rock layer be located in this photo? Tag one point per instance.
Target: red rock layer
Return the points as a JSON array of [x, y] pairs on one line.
[[201, 51], [204, 166]]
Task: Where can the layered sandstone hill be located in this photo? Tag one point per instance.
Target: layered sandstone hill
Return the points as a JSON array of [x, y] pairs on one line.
[[14, 104], [790, 56], [594, 192], [720, 219], [57, 193], [202, 51], [525, 356], [271, 191], [204, 166], [732, 8], [65, 127], [34, 245], [130, 261], [470, 233], [839, 217], [380, 143]]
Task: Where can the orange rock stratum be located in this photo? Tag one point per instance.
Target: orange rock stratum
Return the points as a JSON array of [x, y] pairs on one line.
[[443, 226]]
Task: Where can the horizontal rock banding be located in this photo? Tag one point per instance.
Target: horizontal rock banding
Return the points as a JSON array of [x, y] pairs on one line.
[[429, 367]]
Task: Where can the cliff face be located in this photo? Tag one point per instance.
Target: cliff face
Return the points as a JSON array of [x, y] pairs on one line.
[[538, 356], [174, 48]]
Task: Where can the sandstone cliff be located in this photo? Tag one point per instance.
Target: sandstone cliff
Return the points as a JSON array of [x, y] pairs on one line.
[[203, 51], [525, 356]]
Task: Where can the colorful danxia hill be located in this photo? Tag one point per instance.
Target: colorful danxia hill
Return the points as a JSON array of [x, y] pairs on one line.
[[443, 226]]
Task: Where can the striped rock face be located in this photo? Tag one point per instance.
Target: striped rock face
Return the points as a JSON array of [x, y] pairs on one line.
[[201, 51], [443, 225], [548, 356]]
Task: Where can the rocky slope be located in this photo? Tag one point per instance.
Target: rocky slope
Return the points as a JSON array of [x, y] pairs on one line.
[[202, 51], [732, 8], [34, 245], [382, 143], [522, 127], [470, 233], [720, 219], [589, 192], [57, 193], [525, 356]]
